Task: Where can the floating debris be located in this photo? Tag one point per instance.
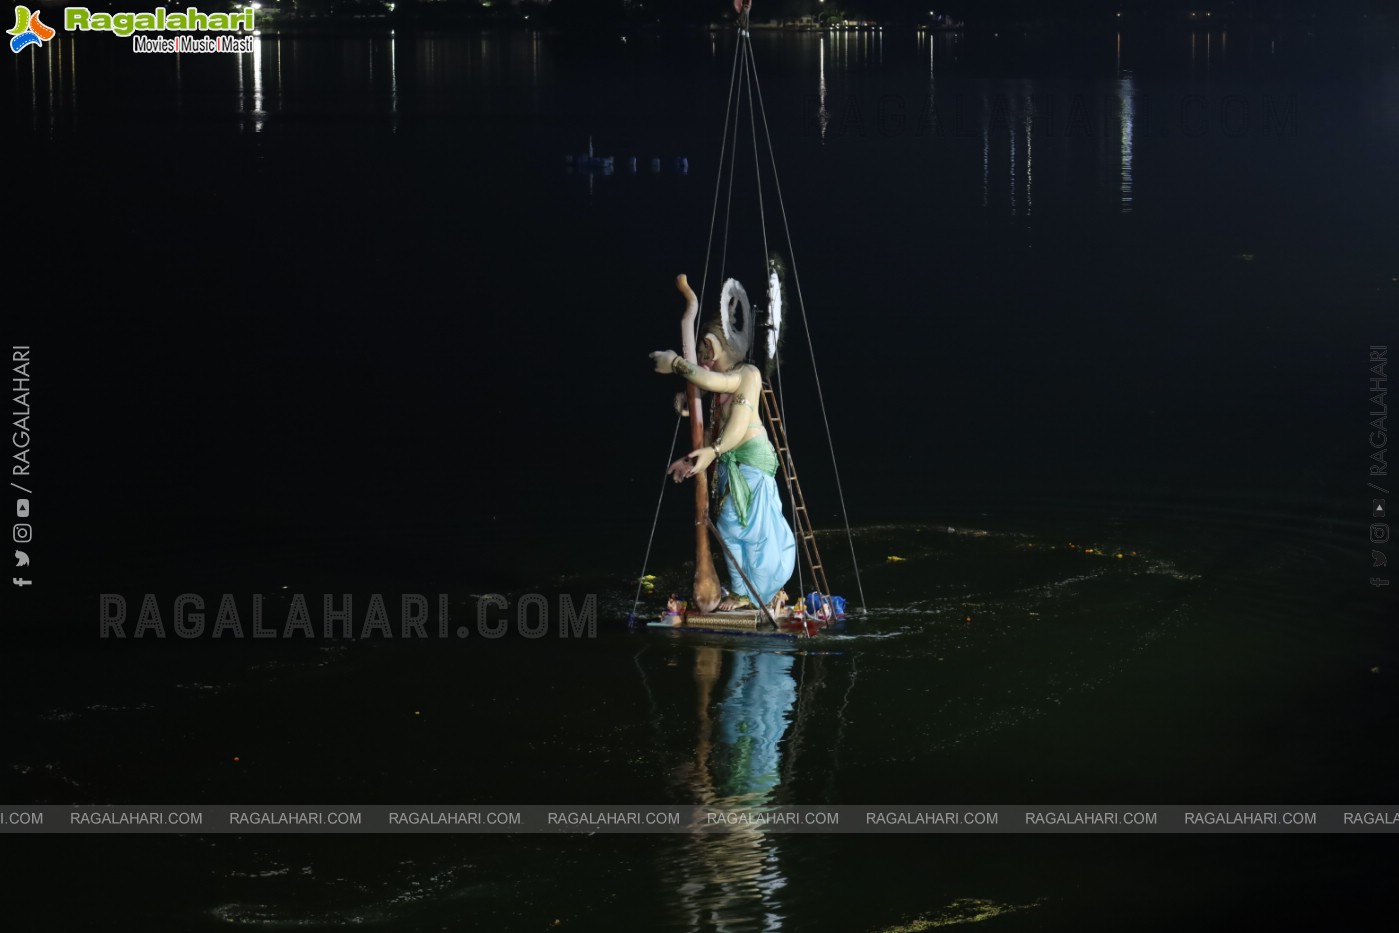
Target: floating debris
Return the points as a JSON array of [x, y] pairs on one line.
[[965, 910]]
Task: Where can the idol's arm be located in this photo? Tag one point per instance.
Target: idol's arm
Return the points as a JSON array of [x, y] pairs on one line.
[[734, 431], [668, 361]]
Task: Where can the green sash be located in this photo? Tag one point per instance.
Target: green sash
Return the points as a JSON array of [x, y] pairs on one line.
[[756, 452]]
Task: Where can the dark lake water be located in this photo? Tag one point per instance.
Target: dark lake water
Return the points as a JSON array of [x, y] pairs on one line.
[[1092, 319]]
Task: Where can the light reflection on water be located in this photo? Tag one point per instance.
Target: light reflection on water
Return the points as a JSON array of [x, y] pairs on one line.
[[278, 74], [932, 79], [258, 113], [516, 73], [1126, 96], [1028, 128], [1202, 58]]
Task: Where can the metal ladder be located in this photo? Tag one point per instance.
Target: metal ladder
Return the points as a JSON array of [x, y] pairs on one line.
[[801, 518]]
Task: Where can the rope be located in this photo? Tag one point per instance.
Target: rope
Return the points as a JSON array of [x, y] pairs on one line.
[[714, 212], [743, 52], [655, 520], [751, 77], [821, 398], [842, 722], [733, 165], [708, 249]]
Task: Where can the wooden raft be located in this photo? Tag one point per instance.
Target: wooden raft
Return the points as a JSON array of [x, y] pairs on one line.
[[746, 620]]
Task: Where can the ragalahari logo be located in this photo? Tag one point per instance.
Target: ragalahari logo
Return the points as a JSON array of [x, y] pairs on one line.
[[28, 30]]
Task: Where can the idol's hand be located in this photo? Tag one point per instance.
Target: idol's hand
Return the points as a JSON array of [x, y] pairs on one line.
[[702, 459], [665, 360]]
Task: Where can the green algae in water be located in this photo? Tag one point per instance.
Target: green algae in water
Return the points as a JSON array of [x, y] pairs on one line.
[[965, 910]]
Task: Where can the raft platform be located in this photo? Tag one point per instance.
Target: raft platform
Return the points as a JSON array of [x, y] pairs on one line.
[[749, 621]]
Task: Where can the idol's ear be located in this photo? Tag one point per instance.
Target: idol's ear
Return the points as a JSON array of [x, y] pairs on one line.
[[713, 343], [736, 316]]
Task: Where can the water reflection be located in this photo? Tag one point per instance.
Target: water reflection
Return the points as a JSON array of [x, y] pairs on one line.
[[737, 757], [254, 107], [259, 114], [1014, 165], [1013, 111], [1028, 128], [932, 81], [55, 54], [985, 150], [746, 711], [1126, 97], [534, 59], [34, 87], [393, 78], [731, 878], [496, 73], [1207, 53], [51, 71], [1091, 126]]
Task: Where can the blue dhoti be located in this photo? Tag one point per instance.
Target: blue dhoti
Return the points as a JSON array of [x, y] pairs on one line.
[[750, 521]]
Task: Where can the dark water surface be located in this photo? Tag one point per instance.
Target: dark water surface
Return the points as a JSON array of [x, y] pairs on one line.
[[1092, 321]]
